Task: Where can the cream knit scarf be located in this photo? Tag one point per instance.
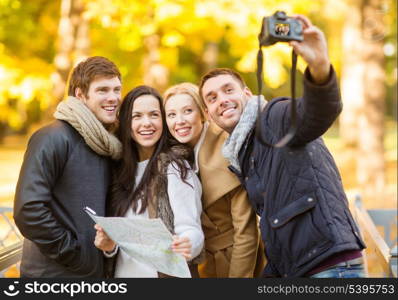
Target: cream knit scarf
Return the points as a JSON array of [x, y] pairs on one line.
[[78, 115]]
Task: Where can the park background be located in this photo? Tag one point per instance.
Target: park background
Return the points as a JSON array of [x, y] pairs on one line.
[[163, 42]]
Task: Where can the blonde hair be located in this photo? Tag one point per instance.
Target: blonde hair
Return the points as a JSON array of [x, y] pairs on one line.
[[189, 89]]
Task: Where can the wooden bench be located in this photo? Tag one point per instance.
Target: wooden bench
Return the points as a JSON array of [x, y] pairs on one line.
[[10, 256], [381, 252], [10, 244]]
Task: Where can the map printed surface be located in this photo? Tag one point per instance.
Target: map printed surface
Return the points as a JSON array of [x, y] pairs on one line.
[[146, 240]]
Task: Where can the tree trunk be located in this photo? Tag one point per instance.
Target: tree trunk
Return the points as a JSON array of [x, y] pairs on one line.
[[72, 46], [156, 74], [363, 93], [352, 84], [371, 163], [210, 57], [65, 45], [82, 40]]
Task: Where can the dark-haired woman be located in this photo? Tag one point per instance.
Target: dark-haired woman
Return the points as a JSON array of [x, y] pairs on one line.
[[152, 180]]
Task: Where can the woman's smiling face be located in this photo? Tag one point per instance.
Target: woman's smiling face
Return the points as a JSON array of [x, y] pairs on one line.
[[146, 124], [184, 119]]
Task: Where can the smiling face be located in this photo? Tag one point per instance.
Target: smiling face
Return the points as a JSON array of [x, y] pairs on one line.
[[146, 124], [184, 119], [225, 99], [103, 98]]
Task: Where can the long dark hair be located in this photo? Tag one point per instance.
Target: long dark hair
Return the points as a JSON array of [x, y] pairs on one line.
[[123, 193]]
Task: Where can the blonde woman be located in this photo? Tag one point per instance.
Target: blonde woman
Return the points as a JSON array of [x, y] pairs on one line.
[[232, 241]]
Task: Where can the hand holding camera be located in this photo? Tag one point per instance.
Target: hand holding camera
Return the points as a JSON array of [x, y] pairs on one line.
[[313, 49], [308, 42], [306, 39]]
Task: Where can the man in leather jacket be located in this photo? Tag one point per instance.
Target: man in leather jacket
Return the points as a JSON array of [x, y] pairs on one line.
[[67, 167], [305, 222]]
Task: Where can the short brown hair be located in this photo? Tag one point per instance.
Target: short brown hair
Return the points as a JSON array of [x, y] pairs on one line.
[[90, 69], [217, 72], [189, 89]]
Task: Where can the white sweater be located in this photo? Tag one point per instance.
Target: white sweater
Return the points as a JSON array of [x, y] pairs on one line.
[[186, 204]]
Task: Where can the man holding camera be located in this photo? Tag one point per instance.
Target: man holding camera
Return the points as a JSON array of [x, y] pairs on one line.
[[305, 222]]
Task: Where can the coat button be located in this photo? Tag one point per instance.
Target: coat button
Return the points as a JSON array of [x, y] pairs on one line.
[[246, 178], [276, 221], [310, 199]]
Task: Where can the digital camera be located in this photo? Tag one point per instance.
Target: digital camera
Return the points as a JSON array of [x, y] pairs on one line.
[[280, 28]]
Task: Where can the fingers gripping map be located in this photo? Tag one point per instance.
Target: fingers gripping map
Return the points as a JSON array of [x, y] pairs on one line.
[[146, 240]]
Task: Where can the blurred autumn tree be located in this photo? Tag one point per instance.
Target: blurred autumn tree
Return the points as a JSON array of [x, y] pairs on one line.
[[26, 36], [368, 33], [162, 42]]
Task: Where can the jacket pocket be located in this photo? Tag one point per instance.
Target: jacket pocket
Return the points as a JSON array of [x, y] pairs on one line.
[[301, 231], [292, 210], [87, 261]]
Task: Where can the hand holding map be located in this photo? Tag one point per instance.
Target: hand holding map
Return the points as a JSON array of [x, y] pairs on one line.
[[146, 240]]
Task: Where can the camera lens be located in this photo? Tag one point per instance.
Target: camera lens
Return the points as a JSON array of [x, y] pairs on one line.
[[298, 30]]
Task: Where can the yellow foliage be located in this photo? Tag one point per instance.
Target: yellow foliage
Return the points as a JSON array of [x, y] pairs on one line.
[[15, 4], [196, 46], [274, 72], [185, 28], [275, 58], [335, 10], [168, 10], [15, 120], [21, 81], [248, 62], [173, 39], [131, 40], [148, 29], [106, 21], [13, 91], [169, 57]]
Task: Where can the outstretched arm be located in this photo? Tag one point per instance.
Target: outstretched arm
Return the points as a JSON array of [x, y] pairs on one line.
[[321, 102]]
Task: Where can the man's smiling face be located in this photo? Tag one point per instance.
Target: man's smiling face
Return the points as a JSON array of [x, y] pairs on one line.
[[103, 98], [225, 99]]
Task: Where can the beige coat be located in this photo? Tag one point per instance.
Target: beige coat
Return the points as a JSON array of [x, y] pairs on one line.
[[232, 240]]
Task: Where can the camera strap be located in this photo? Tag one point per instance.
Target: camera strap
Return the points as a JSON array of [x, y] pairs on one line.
[[293, 111]]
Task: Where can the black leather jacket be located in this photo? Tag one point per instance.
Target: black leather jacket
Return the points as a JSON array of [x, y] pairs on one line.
[[297, 189], [60, 175]]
